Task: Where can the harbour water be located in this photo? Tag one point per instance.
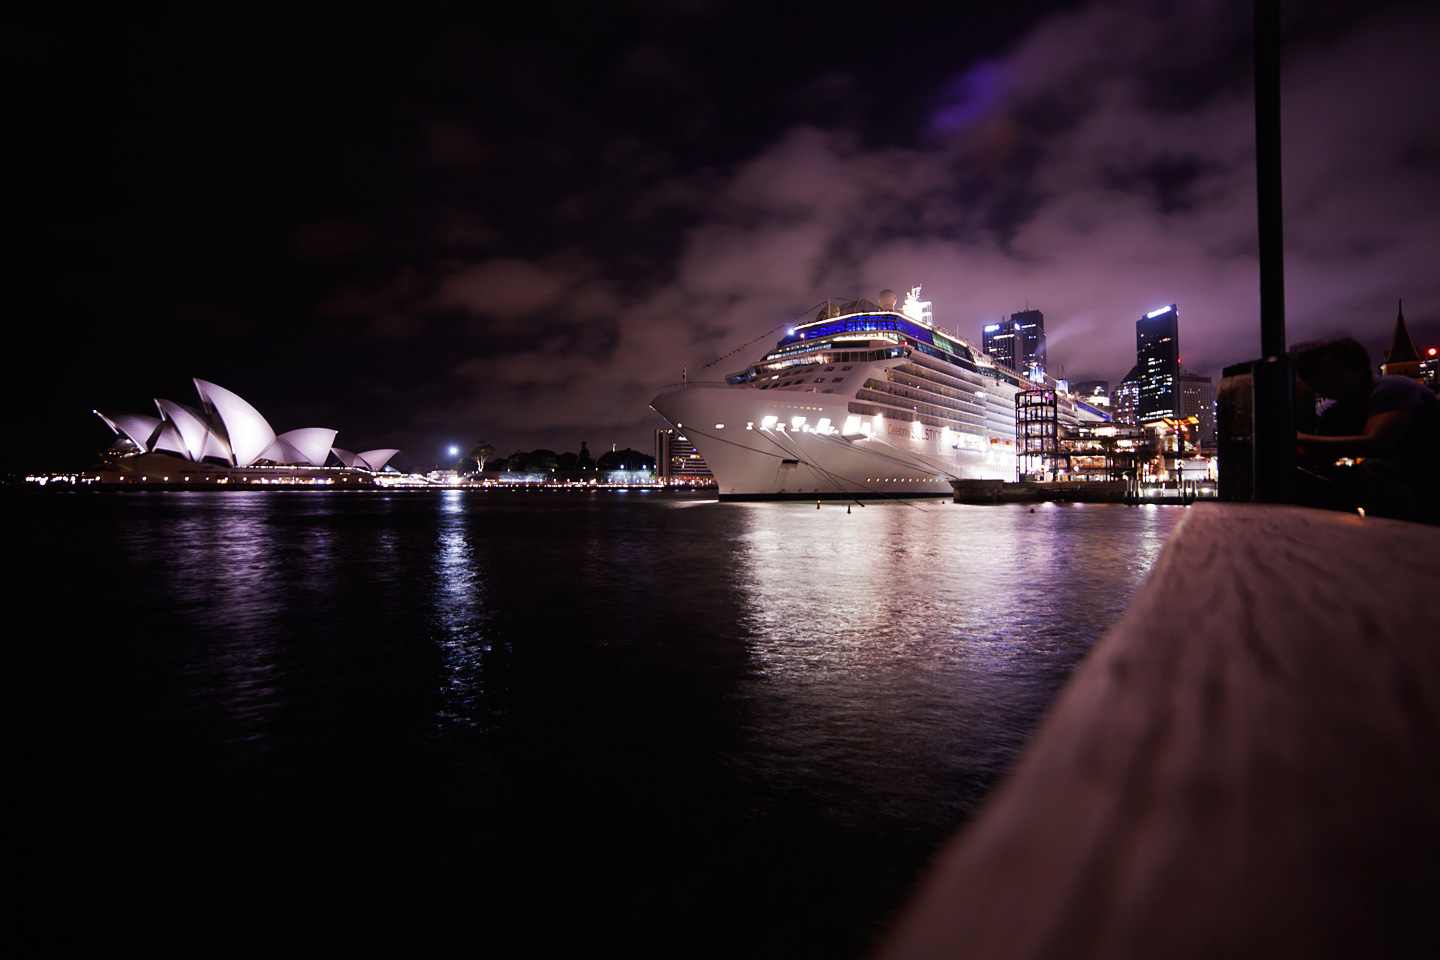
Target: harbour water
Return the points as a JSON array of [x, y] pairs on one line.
[[524, 724]]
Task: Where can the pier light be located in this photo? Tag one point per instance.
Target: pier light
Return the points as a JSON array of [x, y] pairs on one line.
[[797, 422], [719, 426], [852, 424], [823, 426], [768, 422]]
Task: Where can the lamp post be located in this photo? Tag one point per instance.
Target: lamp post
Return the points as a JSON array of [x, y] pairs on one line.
[[1274, 377]]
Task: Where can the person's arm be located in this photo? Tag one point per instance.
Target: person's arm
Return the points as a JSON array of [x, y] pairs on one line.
[[1382, 432]]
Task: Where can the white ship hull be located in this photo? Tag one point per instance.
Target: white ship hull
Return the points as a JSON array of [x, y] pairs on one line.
[[861, 401], [817, 458]]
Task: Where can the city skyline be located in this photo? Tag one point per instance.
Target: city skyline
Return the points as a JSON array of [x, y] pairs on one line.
[[440, 226]]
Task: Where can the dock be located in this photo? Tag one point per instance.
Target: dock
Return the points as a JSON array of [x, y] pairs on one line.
[[1247, 765], [1081, 491]]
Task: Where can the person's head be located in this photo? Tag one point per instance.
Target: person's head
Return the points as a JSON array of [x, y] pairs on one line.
[[1338, 369]]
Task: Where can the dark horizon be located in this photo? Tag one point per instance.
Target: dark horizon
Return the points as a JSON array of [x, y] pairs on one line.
[[439, 226]]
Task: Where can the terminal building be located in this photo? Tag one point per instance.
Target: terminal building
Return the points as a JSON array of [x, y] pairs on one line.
[[678, 463], [1094, 392]]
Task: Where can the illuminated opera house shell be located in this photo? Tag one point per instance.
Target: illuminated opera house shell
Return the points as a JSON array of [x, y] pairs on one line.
[[227, 428]]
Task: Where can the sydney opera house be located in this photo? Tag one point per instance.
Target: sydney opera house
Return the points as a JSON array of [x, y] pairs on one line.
[[226, 440]]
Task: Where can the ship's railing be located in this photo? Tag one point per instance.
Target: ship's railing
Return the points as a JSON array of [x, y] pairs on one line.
[[672, 387]]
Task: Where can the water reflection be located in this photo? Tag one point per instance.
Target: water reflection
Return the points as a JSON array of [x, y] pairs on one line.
[[459, 578], [226, 572], [655, 716], [908, 650]]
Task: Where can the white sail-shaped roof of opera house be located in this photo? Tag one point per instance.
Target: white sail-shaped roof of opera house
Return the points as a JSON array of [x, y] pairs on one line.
[[226, 431]]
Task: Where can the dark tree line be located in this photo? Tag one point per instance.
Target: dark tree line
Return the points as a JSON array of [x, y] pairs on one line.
[[548, 461]]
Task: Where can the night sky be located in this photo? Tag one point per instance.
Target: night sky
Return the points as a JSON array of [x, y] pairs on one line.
[[446, 223]]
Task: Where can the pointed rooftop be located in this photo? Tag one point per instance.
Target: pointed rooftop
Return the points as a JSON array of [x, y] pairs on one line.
[[1401, 357], [1402, 347]]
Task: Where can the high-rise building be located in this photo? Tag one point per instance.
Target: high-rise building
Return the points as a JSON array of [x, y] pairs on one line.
[[1126, 399], [998, 340], [1018, 343], [1029, 326], [1197, 399], [678, 462], [1157, 355]]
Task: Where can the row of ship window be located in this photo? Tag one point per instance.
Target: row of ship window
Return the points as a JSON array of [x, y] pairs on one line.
[[791, 383]]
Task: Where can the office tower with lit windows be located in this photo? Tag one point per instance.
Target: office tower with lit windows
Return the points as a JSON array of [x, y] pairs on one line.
[[1018, 343], [1157, 359], [1126, 398], [1197, 399], [998, 340], [677, 462], [1430, 369]]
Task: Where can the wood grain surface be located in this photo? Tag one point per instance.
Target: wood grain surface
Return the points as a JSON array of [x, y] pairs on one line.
[[1247, 765]]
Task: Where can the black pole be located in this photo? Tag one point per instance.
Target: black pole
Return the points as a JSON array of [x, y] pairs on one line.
[[1274, 378]]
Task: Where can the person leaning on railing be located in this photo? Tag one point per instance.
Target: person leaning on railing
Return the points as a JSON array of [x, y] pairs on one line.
[[1389, 425]]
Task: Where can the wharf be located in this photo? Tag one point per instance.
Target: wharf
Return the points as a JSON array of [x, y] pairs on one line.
[[1079, 491], [1247, 765]]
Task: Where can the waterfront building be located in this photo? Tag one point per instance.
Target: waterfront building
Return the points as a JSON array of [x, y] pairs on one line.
[[1094, 392], [678, 463], [1126, 400], [223, 432], [1018, 343], [1196, 396], [1430, 369], [1157, 356]]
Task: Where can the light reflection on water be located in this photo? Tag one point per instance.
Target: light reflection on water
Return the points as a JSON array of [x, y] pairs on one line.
[[898, 646], [633, 707], [460, 611]]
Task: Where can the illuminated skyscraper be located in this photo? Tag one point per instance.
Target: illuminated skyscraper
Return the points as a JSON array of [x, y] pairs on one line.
[[1157, 357], [1126, 397], [998, 340], [1018, 343]]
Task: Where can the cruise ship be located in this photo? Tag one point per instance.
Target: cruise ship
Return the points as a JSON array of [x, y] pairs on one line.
[[862, 401]]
